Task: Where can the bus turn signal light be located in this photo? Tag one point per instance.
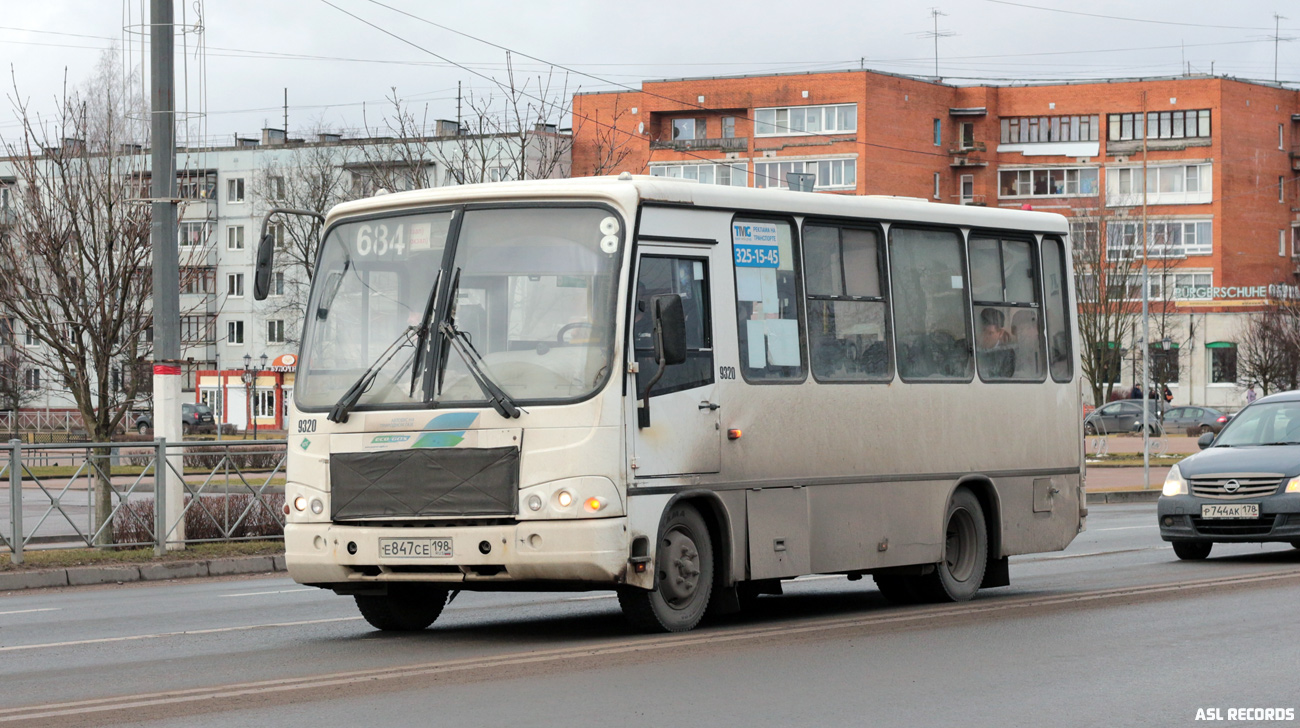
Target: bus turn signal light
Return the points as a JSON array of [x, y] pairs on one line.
[[594, 504], [734, 434]]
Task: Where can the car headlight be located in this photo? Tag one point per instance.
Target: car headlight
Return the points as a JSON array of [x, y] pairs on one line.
[[1293, 485], [1174, 483]]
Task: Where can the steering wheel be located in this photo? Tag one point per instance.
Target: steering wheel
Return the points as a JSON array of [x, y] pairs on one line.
[[559, 336]]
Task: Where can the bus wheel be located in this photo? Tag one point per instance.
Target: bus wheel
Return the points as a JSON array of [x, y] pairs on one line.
[[965, 552], [683, 578], [406, 607]]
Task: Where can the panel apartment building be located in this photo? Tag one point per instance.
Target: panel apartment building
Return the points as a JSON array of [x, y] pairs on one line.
[[1222, 158], [225, 192]]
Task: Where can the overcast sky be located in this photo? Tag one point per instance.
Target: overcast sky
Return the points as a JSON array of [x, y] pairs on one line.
[[331, 63]]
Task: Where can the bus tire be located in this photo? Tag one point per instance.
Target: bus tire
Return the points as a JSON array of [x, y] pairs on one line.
[[405, 608], [683, 579], [957, 577]]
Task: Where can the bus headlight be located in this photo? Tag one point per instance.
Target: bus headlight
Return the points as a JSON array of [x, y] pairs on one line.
[[300, 504], [1174, 483], [588, 496]]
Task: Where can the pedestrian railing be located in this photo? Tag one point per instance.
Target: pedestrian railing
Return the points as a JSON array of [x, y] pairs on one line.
[[115, 495]]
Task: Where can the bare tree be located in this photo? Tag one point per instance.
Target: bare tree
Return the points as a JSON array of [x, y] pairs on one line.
[[314, 176], [608, 146], [75, 260], [1268, 349], [1109, 287]]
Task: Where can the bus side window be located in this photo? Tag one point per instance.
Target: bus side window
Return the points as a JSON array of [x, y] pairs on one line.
[[688, 278], [768, 314], [1060, 356], [847, 324], [931, 325], [1008, 326]]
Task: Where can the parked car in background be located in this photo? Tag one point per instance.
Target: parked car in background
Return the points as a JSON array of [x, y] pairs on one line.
[[1244, 485], [1122, 416], [194, 418], [1202, 419]]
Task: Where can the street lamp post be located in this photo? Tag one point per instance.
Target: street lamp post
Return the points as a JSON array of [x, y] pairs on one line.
[[248, 394]]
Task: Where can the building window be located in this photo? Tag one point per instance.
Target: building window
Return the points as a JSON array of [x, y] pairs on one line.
[[1295, 241], [235, 189], [1223, 362], [1281, 189], [938, 132], [192, 234], [936, 186], [264, 403], [1085, 232], [275, 331], [277, 283], [1166, 185], [1193, 286], [275, 187], [733, 175], [7, 331], [1050, 182], [830, 173], [967, 134], [235, 285], [235, 333], [1164, 364], [1165, 239], [688, 129], [728, 127], [1281, 243], [235, 237], [1280, 139], [967, 189], [1043, 129], [32, 378], [196, 279], [795, 120], [495, 174], [198, 329], [1192, 124], [29, 336]]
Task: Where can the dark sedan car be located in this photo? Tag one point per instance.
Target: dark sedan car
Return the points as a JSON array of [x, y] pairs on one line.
[[1123, 416], [1244, 486], [1202, 419], [194, 418]]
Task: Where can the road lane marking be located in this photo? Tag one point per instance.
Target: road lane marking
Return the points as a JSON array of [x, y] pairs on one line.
[[1054, 557], [182, 633], [29, 611], [264, 593], [588, 599], [1123, 528], [640, 644]]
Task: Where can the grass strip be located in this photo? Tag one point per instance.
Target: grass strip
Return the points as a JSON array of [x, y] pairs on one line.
[[64, 558]]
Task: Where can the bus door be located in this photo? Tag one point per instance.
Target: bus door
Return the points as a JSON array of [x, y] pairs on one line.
[[684, 434]]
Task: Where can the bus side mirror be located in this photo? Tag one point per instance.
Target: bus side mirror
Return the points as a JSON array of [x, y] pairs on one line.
[[670, 344], [670, 330], [1205, 440], [262, 268]]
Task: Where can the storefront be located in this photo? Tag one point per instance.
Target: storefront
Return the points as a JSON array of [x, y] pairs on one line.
[[260, 397]]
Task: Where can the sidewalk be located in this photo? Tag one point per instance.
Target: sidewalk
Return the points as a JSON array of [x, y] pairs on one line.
[[121, 573]]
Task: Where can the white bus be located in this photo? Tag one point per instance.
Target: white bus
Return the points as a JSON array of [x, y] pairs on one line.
[[685, 393]]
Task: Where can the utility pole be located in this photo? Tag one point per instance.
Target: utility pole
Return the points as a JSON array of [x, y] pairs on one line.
[[165, 248], [1146, 319], [286, 116], [458, 127], [935, 13], [1277, 38]]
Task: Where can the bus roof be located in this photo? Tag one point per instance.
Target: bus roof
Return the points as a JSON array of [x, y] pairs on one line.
[[628, 189]]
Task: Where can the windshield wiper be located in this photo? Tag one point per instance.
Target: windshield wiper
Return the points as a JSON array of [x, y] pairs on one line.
[[460, 341], [422, 333], [339, 412], [1272, 444]]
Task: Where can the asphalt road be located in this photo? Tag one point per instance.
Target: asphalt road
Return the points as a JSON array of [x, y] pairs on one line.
[[1114, 631]]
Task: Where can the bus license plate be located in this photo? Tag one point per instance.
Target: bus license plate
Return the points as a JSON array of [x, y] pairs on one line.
[[415, 548], [1230, 510]]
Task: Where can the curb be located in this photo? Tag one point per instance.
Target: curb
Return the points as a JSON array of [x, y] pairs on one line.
[[122, 573], [1124, 496]]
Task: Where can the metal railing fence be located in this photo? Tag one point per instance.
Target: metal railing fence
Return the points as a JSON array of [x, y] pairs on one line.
[[114, 495]]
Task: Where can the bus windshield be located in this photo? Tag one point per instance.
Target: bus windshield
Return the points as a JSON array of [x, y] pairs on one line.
[[535, 297]]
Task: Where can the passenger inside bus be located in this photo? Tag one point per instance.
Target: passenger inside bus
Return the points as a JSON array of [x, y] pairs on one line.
[[997, 358]]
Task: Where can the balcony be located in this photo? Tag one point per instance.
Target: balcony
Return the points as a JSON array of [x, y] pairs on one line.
[[1295, 160], [723, 144], [967, 148], [961, 160]]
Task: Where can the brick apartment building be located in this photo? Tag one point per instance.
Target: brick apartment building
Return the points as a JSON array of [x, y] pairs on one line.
[[1222, 160]]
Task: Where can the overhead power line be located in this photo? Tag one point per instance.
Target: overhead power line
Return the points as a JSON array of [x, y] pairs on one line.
[[1214, 26]]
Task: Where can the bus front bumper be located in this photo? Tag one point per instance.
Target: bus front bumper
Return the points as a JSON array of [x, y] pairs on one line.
[[575, 551]]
